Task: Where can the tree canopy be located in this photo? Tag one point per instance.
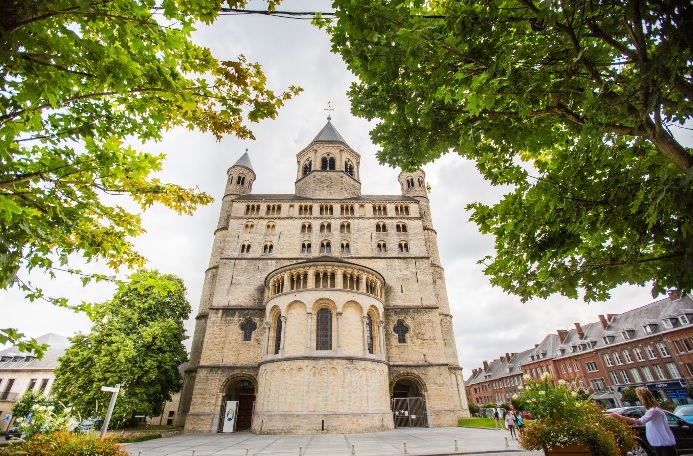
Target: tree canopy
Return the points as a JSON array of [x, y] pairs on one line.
[[135, 341], [83, 83], [577, 106]]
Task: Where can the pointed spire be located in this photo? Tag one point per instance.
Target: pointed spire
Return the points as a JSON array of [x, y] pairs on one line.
[[329, 133], [244, 161]]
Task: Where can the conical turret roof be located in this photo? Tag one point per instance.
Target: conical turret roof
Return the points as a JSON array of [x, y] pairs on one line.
[[244, 161], [329, 133]]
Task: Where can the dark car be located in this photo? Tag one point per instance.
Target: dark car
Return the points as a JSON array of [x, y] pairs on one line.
[[682, 430], [13, 432]]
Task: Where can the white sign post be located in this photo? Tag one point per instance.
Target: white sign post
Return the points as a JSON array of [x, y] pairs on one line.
[[114, 396], [230, 416]]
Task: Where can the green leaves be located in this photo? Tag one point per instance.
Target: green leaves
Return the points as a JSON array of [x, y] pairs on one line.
[[136, 341], [570, 106], [78, 80]]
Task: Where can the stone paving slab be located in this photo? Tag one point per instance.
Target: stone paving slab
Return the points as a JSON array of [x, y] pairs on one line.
[[419, 442]]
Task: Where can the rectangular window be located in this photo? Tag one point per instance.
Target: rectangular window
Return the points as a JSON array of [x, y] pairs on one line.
[[575, 367], [687, 345], [607, 360], [591, 366], [647, 374], [650, 352], [659, 372], [663, 349], [598, 384], [638, 354], [636, 375], [624, 376], [32, 384], [617, 358], [679, 346], [689, 368], [614, 378], [673, 370], [627, 357], [563, 368], [44, 384]]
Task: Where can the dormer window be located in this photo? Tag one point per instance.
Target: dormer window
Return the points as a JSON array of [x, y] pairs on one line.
[[628, 334], [543, 354], [608, 339], [667, 323], [649, 327]]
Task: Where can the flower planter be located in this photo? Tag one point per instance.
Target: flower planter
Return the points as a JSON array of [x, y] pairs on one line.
[[569, 450]]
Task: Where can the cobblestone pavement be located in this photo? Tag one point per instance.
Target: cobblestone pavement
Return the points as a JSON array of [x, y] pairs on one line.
[[402, 441]]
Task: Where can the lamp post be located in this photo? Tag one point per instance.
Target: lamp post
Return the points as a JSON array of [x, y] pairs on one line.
[[114, 390]]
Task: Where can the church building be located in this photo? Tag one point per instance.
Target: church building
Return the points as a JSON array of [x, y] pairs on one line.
[[323, 310]]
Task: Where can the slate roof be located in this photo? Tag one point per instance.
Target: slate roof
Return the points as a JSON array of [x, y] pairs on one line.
[[18, 360], [329, 134], [244, 161]]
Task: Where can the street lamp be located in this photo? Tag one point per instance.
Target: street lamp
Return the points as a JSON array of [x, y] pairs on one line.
[[114, 396]]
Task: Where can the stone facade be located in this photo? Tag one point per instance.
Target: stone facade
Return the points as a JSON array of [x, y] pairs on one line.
[[323, 309]]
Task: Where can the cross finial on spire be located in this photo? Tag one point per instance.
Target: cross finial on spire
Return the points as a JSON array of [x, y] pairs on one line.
[[329, 110]]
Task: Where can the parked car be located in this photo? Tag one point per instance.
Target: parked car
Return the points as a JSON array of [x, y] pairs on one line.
[[685, 412], [682, 430], [12, 433]]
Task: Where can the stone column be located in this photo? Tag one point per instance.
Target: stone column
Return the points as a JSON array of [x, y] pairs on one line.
[[381, 333], [338, 280], [265, 339], [365, 335], [309, 319], [339, 333], [281, 342], [311, 278]]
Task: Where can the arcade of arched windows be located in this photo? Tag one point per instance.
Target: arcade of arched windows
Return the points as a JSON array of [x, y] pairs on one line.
[[401, 227], [325, 277], [345, 228], [346, 209], [252, 209], [325, 328], [401, 209], [249, 227], [270, 228], [306, 228], [379, 210], [325, 228], [273, 209]]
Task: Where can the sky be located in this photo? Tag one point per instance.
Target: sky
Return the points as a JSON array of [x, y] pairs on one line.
[[488, 322]]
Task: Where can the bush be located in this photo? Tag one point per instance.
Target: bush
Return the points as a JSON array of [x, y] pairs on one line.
[[473, 408], [61, 443]]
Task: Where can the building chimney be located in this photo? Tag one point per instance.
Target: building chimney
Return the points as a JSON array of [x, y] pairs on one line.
[[562, 334], [602, 320], [579, 331], [536, 345], [507, 357], [610, 317], [485, 365], [674, 295]]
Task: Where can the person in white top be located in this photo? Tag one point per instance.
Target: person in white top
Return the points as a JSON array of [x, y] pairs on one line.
[[659, 436]]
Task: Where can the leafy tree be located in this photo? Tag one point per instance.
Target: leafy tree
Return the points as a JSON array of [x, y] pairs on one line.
[[571, 104], [82, 82], [22, 407], [628, 395], [135, 341], [473, 408]]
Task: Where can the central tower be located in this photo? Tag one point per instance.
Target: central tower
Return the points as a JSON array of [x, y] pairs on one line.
[[328, 167]]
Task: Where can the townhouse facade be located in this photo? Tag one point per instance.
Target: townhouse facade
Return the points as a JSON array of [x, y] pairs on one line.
[[650, 346]]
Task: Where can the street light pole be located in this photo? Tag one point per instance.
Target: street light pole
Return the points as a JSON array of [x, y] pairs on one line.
[[114, 396]]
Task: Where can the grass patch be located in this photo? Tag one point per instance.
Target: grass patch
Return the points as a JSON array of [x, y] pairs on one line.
[[132, 438], [488, 423]]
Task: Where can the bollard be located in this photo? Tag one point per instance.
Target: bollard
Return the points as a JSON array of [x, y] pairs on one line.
[[140, 453], [246, 451], [300, 450], [456, 449], [507, 445], [405, 448], [353, 451], [193, 453]]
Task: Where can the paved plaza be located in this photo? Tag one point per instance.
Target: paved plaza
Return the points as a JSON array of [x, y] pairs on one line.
[[417, 441]]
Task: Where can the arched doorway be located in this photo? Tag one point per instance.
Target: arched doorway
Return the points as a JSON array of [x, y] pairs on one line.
[[241, 389], [408, 403]]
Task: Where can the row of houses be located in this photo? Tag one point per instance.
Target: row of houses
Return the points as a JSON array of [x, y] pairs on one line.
[[649, 346]]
